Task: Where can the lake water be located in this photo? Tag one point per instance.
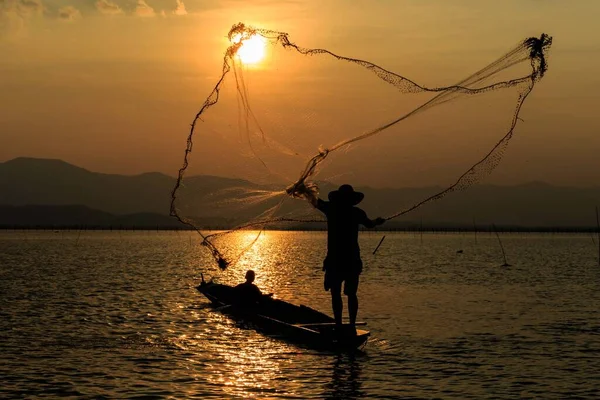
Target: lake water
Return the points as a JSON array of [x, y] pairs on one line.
[[116, 315]]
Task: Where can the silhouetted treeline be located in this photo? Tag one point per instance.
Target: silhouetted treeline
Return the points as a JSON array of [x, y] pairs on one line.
[[79, 217]]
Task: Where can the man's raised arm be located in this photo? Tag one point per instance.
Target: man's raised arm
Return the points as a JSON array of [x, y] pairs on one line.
[[300, 190]]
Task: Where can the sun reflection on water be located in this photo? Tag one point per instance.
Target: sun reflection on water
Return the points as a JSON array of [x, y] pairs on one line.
[[262, 252], [251, 365], [246, 364], [255, 369]]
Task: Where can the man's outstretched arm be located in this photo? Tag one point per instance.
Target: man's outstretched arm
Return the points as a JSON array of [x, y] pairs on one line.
[[372, 223]]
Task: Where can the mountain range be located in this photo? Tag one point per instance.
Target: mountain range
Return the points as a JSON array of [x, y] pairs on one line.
[[44, 192]]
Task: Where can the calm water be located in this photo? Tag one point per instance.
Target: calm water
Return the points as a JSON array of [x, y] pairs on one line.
[[115, 315]]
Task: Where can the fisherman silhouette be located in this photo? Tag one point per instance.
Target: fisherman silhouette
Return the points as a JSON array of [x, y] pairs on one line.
[[248, 293], [343, 263]]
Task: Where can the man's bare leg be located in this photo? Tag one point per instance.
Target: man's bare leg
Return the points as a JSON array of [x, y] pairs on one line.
[[337, 304], [353, 308]]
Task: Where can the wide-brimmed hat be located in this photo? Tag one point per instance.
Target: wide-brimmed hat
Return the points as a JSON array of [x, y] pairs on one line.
[[346, 194]]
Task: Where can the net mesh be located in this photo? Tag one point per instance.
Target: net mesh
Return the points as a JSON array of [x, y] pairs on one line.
[[300, 121]]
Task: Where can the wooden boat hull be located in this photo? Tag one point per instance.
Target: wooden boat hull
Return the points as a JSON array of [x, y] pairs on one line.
[[296, 323]]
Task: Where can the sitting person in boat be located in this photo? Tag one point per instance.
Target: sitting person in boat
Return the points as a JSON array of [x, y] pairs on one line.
[[248, 293], [343, 263]]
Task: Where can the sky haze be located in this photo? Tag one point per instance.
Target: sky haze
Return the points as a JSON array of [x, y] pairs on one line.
[[112, 85]]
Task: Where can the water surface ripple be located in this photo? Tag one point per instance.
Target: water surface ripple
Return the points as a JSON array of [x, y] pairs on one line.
[[116, 315]]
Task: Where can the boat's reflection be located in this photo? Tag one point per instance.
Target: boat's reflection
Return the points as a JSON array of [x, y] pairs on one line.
[[346, 378]]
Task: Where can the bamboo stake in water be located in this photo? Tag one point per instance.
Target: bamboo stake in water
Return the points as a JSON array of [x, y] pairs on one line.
[[78, 236], [377, 248], [598, 231], [506, 264]]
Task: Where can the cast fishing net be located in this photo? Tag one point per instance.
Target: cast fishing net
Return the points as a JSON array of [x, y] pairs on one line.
[[298, 122]]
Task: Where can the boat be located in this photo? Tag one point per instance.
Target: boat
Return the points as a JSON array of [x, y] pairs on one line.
[[295, 323]]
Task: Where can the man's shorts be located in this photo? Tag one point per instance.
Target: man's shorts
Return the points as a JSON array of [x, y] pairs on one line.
[[342, 272]]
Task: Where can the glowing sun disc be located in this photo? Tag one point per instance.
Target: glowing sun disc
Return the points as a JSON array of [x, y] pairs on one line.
[[252, 49]]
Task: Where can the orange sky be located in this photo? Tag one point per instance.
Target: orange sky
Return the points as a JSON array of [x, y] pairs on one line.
[[113, 86]]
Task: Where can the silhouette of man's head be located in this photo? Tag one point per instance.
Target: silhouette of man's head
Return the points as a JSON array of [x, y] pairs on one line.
[[250, 276], [346, 195]]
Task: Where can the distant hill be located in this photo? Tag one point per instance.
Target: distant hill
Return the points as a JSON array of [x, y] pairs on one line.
[[32, 181], [29, 181], [145, 199]]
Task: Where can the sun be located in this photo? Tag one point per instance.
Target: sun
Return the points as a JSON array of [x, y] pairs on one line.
[[252, 50]]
